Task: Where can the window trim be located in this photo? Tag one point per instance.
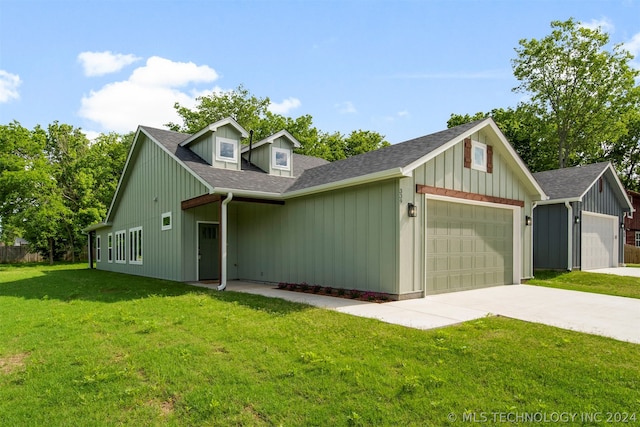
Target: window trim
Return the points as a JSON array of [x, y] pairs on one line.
[[637, 238], [98, 248], [476, 145], [135, 245], [170, 225], [120, 240], [218, 154], [110, 247], [274, 153]]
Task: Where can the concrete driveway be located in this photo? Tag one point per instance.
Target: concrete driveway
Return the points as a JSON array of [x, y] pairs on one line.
[[619, 271], [610, 316]]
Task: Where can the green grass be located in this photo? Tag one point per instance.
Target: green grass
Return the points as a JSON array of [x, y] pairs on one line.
[[622, 286], [92, 348]]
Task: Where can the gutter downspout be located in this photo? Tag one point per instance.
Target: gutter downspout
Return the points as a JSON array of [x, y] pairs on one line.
[[569, 236], [223, 238], [531, 271]]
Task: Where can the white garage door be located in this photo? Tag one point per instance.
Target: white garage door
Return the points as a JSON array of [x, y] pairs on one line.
[[599, 241], [468, 246]]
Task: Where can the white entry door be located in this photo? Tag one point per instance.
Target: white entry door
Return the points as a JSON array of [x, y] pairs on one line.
[[599, 241]]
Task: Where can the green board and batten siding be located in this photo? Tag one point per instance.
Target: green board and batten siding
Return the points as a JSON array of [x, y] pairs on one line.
[[447, 170], [155, 174], [345, 238]]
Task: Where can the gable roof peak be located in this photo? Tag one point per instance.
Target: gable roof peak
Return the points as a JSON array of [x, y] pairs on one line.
[[214, 127], [271, 138]]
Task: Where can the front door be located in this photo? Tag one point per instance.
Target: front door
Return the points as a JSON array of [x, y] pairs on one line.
[[208, 251]]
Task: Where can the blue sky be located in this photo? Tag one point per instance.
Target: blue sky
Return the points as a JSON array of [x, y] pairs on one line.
[[399, 67]]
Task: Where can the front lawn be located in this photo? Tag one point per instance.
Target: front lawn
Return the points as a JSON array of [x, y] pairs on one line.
[[622, 286], [91, 348]]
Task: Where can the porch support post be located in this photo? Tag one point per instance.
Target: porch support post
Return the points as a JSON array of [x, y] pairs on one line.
[[223, 241]]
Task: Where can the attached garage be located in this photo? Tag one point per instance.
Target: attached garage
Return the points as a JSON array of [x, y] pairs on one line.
[[599, 241], [468, 246]]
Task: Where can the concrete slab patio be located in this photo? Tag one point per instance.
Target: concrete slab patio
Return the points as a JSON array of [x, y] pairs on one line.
[[610, 316]]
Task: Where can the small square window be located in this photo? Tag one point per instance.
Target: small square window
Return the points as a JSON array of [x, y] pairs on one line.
[[479, 156], [638, 238], [226, 150], [281, 158], [166, 221]]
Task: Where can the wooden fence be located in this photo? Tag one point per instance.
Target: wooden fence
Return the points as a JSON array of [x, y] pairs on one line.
[[631, 254], [15, 254]]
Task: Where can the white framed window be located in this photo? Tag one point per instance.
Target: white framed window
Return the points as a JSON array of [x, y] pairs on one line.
[[166, 221], [98, 248], [121, 247], [280, 158], [478, 156], [638, 238], [135, 245], [110, 247], [226, 150]]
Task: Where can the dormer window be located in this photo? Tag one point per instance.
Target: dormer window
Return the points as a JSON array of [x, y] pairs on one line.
[[226, 150], [281, 158]]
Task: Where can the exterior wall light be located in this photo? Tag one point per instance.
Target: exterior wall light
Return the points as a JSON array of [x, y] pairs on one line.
[[576, 220], [527, 220], [412, 210]]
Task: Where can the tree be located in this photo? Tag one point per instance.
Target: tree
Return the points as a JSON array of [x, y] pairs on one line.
[[253, 113], [625, 153], [54, 183], [578, 90]]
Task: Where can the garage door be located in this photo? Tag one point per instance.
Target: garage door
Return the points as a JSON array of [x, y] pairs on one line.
[[468, 246], [599, 241]]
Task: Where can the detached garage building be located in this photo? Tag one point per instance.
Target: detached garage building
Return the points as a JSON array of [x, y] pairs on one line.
[[581, 226]]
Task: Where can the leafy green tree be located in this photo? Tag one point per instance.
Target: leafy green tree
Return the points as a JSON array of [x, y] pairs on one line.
[[54, 183], [362, 141], [625, 153], [578, 89], [253, 113]]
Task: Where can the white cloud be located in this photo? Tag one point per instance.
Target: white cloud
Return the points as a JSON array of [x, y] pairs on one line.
[[346, 107], [285, 106], [633, 46], [604, 24], [9, 84], [403, 113], [101, 63], [147, 96]]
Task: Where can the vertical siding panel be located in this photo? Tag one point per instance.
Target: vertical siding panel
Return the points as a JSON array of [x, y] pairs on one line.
[[339, 239], [448, 168], [439, 171], [350, 240], [373, 237], [458, 166]]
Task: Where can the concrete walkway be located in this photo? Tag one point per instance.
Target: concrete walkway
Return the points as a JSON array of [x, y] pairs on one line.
[[605, 315]]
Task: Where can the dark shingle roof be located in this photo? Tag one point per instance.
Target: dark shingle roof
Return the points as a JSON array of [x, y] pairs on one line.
[[308, 171], [569, 183], [394, 156]]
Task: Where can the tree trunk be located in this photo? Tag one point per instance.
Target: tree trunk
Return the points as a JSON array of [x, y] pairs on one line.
[[50, 251]]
